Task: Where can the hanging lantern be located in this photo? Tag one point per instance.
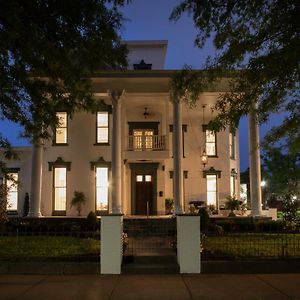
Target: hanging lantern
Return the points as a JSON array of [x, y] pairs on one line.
[[204, 158]]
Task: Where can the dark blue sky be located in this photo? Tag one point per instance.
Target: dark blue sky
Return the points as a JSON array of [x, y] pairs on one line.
[[149, 20]]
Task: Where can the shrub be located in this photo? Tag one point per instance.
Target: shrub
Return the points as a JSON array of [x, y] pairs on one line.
[[78, 200], [232, 204], [169, 205], [92, 221], [204, 219], [26, 205]]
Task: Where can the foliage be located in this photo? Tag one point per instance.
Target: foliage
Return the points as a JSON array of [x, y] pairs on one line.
[[233, 204], [169, 205], [257, 45], [78, 201], [92, 221], [26, 205], [281, 166], [290, 207], [48, 51], [204, 218]]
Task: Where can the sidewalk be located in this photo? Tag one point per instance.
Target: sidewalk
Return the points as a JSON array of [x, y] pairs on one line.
[[181, 287]]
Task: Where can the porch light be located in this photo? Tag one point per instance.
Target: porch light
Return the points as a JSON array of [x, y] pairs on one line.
[[204, 158]]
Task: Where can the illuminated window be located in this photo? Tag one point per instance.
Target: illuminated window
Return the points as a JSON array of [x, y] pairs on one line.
[[139, 178], [60, 189], [232, 145], [148, 178], [210, 142], [101, 188], [143, 139], [61, 134], [211, 184], [12, 191], [102, 127]]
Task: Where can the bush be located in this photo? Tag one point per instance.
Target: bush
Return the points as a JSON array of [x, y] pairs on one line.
[[26, 205], [92, 221], [204, 219]]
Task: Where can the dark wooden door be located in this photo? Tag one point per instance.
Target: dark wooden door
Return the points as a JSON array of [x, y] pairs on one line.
[[144, 194]]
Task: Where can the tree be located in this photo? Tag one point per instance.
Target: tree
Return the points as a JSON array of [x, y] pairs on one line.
[[261, 39], [48, 50]]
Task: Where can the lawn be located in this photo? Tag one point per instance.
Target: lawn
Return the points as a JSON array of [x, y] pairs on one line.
[[42, 247], [251, 245]]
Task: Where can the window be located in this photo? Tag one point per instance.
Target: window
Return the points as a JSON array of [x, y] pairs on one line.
[[61, 133], [102, 127], [101, 188], [12, 191], [232, 145], [232, 186], [60, 189], [210, 142], [143, 139], [211, 184]]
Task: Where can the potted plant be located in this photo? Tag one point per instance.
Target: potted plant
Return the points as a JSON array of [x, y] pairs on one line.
[[232, 204], [78, 201], [169, 205]]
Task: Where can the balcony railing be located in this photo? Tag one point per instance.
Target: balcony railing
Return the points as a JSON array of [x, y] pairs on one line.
[[147, 143]]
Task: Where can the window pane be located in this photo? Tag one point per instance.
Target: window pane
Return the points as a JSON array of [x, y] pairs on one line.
[[102, 119], [210, 136], [12, 193], [232, 186], [62, 117], [139, 178], [210, 149], [60, 198], [102, 135], [211, 181], [60, 175], [148, 178], [102, 188], [61, 136]]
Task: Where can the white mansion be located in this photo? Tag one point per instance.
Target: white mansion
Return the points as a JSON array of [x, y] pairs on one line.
[[140, 149]]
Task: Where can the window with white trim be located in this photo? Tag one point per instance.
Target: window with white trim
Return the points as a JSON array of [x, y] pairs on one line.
[[102, 188], [232, 185], [232, 145], [211, 189], [102, 127], [12, 191], [60, 188], [61, 131], [210, 143]]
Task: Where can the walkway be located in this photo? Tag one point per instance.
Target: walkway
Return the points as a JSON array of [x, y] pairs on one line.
[[88, 287]]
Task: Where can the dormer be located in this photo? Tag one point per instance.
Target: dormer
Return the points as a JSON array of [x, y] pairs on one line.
[[146, 55]]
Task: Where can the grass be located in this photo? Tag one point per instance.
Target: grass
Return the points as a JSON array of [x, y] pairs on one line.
[[29, 247], [252, 245]]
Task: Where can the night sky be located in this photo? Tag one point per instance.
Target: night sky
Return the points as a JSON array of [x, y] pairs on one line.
[[148, 20]]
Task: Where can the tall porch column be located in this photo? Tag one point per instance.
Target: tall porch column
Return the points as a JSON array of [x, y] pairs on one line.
[[36, 179], [254, 162], [177, 157], [116, 155]]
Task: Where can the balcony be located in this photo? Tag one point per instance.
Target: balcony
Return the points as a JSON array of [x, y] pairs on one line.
[[147, 143]]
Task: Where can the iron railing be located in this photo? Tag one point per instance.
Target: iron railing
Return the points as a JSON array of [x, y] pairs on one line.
[[147, 143]]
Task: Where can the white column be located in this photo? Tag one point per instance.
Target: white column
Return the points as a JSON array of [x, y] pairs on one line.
[[116, 156], [254, 163], [177, 157], [36, 180]]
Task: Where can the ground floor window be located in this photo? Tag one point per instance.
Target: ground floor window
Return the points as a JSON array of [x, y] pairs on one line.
[[232, 186], [211, 185], [12, 191], [101, 188], [60, 188]]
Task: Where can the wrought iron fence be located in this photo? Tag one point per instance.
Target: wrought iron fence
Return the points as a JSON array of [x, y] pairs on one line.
[[150, 237], [250, 246], [52, 245]]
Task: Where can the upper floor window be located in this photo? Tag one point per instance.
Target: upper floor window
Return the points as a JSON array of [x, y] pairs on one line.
[[232, 145], [143, 139], [12, 191], [102, 127], [210, 143], [61, 132]]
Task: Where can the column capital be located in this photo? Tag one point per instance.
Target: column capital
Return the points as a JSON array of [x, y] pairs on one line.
[[116, 95]]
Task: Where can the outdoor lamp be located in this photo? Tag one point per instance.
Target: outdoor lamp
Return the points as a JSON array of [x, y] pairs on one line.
[[204, 158]]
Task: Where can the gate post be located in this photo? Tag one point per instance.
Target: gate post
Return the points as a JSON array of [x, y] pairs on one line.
[[111, 244], [188, 243]]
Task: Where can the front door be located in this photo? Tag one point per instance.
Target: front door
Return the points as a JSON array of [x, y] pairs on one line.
[[144, 193]]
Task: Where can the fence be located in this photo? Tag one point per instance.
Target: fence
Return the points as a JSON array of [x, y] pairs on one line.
[[250, 246]]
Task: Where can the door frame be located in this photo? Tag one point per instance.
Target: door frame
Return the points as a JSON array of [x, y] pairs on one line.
[[139, 169]]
